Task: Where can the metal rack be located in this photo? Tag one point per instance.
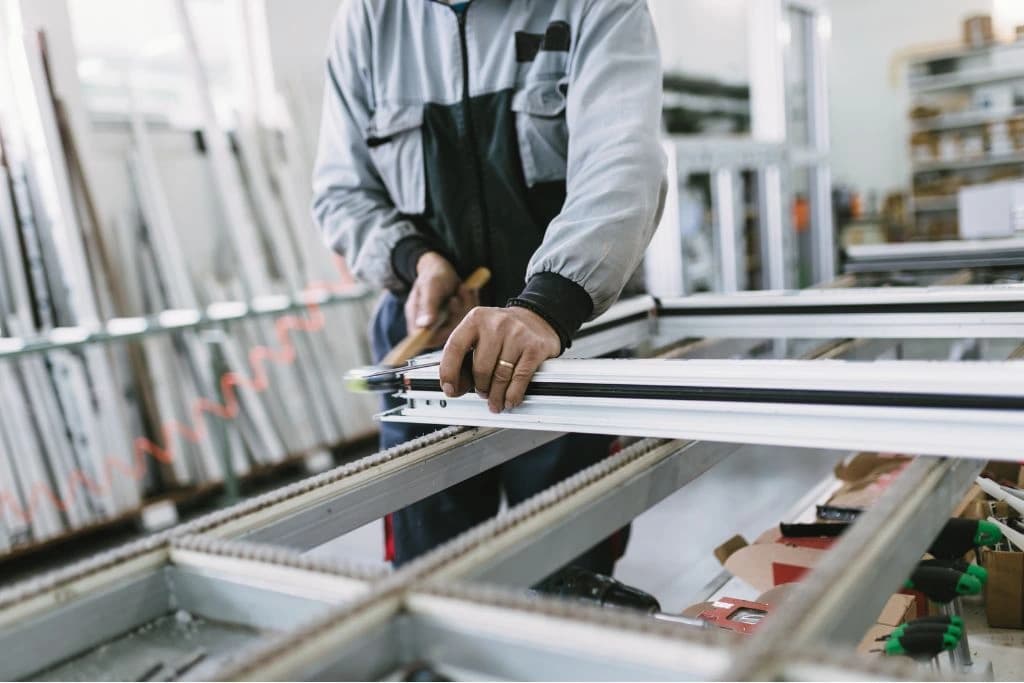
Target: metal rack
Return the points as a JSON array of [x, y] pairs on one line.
[[175, 321], [962, 71], [789, 138]]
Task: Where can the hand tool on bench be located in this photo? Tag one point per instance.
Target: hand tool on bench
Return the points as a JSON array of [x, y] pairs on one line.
[[922, 641], [927, 624], [942, 584], [960, 565], [960, 535], [945, 585], [387, 375]]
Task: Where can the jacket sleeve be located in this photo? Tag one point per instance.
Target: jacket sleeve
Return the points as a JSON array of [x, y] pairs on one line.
[[615, 169], [350, 202]]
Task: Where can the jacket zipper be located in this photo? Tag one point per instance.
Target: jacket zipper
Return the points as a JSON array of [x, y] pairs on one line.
[[483, 237]]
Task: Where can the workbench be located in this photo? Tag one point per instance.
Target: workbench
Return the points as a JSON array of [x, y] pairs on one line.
[[461, 610]]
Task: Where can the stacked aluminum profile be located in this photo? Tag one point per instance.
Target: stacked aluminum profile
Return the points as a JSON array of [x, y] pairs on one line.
[[125, 374]]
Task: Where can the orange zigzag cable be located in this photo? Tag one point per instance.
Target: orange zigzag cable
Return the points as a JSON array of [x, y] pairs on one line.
[[78, 480]]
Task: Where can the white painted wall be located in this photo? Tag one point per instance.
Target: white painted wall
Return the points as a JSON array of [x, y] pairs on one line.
[[298, 34], [703, 37], [868, 96], [869, 101]]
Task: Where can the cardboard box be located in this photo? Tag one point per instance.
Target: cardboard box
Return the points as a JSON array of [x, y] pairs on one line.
[[991, 210], [898, 610], [865, 478], [1004, 592], [1009, 473], [978, 30]]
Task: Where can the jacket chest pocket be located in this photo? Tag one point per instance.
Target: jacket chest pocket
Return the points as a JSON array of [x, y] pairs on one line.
[[395, 141], [542, 131]]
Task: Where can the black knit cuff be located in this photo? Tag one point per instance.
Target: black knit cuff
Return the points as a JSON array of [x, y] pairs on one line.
[[406, 254], [561, 302]]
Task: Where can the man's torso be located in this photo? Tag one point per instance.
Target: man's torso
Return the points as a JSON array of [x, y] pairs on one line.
[[481, 170]]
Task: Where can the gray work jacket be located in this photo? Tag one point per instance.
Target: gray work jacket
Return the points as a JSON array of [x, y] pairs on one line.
[[522, 135]]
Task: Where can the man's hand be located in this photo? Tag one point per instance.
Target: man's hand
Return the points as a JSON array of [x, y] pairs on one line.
[[508, 345], [437, 289]]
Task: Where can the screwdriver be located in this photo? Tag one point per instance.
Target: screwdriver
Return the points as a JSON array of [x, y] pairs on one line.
[[960, 565], [924, 637], [942, 585], [927, 627], [960, 535], [921, 643]]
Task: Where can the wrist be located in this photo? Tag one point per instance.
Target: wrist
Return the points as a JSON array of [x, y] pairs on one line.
[[405, 256], [431, 262], [563, 304], [549, 323]]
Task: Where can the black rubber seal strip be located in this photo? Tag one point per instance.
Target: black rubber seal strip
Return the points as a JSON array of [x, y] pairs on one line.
[[762, 395], [827, 309], [641, 315]]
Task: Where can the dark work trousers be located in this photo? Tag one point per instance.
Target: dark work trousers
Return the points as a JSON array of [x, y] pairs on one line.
[[428, 523]]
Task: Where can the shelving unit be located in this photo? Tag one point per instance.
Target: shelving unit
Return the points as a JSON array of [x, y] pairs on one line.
[[965, 119], [975, 133]]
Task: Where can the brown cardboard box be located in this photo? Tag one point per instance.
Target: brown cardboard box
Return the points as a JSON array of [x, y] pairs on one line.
[[865, 478], [973, 505], [899, 610], [1004, 592], [865, 465], [978, 31], [1004, 472]]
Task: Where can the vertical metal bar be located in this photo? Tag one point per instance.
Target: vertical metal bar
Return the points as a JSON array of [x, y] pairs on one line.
[[727, 235], [766, 31], [771, 221], [767, 70], [818, 35], [665, 262], [823, 239]]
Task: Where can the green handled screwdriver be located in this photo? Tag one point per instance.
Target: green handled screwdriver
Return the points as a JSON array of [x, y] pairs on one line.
[[927, 628], [941, 584], [923, 644], [960, 565], [960, 535]]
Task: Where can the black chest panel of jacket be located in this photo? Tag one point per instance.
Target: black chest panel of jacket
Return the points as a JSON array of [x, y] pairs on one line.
[[479, 210]]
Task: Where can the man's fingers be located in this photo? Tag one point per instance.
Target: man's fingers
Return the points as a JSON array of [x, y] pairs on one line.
[[485, 357], [432, 298], [527, 365], [458, 345], [411, 308], [504, 370]]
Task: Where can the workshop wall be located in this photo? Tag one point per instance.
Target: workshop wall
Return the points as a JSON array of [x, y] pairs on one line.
[[867, 81], [706, 38]]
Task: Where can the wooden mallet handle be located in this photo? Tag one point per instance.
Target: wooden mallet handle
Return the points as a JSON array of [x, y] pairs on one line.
[[418, 340]]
